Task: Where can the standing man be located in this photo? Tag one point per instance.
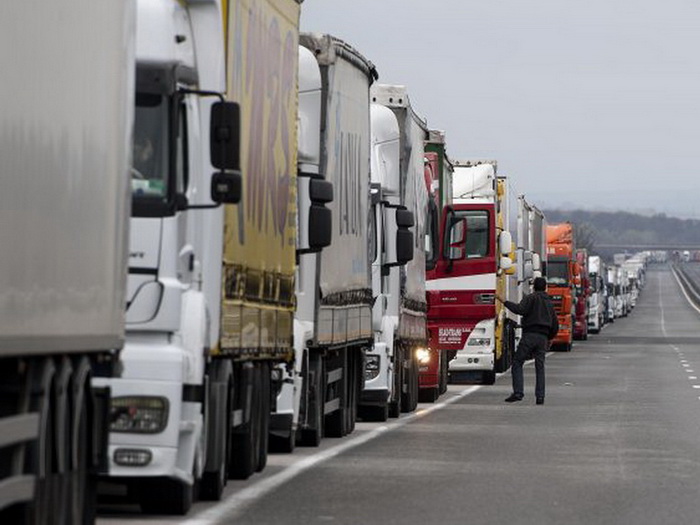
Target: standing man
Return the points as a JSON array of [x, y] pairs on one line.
[[540, 325]]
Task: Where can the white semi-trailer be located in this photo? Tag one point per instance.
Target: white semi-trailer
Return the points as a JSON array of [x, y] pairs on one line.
[[66, 100]]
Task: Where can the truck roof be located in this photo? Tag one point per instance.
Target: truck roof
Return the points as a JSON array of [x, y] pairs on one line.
[[473, 181], [328, 48], [562, 233]]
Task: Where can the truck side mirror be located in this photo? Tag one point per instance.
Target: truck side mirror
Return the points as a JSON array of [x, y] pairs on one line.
[[224, 149], [315, 220], [505, 242], [226, 187], [404, 236], [536, 262], [320, 217], [505, 263], [224, 138], [397, 228]]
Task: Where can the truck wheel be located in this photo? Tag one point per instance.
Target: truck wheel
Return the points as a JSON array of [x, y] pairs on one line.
[[442, 384], [42, 451], [83, 497], [243, 458], [488, 377], [336, 423], [395, 398], [409, 400], [429, 395], [218, 420], [264, 395], [354, 387], [283, 444], [374, 413], [314, 392], [167, 496]]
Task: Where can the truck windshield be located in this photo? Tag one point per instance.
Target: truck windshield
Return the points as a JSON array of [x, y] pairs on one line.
[[149, 171], [477, 234], [557, 273]]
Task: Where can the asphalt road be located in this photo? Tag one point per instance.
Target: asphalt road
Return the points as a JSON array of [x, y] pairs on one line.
[[617, 441]]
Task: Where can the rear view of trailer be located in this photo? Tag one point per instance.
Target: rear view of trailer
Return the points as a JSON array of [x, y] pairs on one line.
[[65, 140]]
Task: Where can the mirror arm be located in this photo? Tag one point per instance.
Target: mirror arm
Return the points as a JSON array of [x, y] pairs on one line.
[[203, 206], [200, 93]]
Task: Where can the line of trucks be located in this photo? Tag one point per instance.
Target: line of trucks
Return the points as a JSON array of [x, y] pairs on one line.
[[229, 238]]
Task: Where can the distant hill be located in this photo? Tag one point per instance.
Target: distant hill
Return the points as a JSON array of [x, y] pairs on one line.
[[601, 228]]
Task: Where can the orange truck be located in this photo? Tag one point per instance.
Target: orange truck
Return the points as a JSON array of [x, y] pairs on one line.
[[562, 277]]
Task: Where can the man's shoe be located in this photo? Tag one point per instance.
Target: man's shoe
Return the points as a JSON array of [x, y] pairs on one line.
[[540, 401], [513, 398]]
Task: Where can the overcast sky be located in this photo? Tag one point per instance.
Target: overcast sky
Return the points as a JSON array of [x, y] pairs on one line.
[[592, 103]]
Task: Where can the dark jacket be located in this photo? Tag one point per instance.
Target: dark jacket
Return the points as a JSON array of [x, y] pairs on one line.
[[537, 313]]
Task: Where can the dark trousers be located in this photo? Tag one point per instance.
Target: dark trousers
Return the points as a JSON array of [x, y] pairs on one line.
[[531, 345]]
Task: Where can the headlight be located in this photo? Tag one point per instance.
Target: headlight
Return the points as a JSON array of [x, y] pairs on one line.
[[423, 356], [140, 415], [371, 367], [129, 457], [479, 341]]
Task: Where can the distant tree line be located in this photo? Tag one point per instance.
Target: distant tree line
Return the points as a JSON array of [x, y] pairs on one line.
[[600, 228]]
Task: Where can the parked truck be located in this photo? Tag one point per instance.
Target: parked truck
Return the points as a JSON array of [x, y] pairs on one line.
[[562, 280], [615, 300], [597, 299], [475, 263], [333, 320], [439, 170], [399, 310], [67, 107], [210, 295], [531, 245], [582, 293]]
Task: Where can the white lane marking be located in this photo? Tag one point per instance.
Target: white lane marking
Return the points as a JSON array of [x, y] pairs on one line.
[[686, 364], [684, 360], [661, 308], [690, 371], [696, 386], [235, 504], [692, 377]]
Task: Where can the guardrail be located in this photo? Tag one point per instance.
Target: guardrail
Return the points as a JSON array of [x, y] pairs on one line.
[[687, 282]]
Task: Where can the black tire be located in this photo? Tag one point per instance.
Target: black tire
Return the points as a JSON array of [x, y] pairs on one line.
[[488, 377], [168, 496], [409, 399], [213, 482], [42, 451], [395, 399], [212, 485], [429, 395], [374, 413], [282, 444], [264, 395], [312, 435], [83, 495], [336, 423], [243, 459], [443, 373], [354, 387]]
